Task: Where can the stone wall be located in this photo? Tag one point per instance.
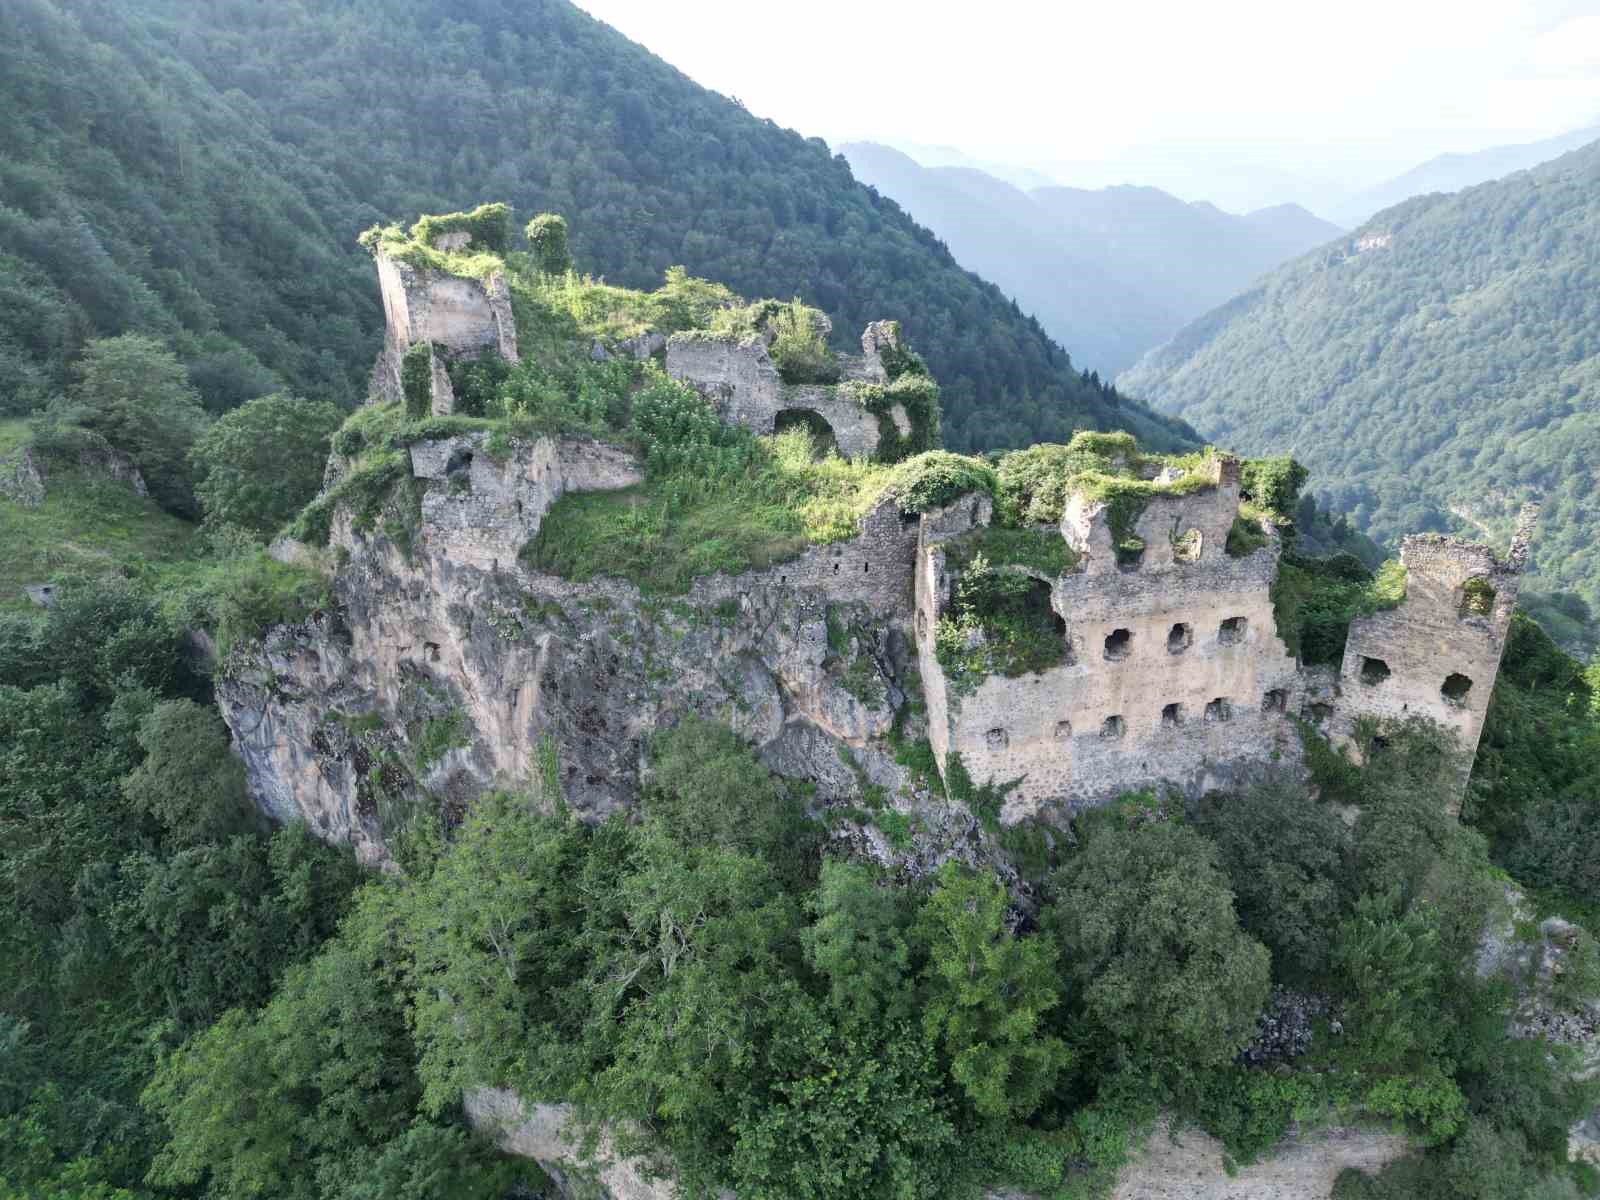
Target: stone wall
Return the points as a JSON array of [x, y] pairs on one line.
[[463, 318], [739, 378], [1437, 654], [1175, 676]]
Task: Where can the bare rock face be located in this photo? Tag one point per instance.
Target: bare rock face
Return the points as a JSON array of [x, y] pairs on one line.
[[24, 475], [22, 478], [1188, 1165]]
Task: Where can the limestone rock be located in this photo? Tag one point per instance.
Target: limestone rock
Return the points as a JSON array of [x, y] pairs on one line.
[[22, 478]]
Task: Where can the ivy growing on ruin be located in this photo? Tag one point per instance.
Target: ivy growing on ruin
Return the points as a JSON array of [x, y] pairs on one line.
[[416, 379]]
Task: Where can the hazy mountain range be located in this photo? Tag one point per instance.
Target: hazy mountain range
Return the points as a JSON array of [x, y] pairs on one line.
[[1433, 369], [1110, 272]]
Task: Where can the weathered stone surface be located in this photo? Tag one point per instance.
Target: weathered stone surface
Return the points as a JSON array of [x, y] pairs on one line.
[[22, 478], [1188, 1166], [462, 318], [1434, 643], [741, 381], [1048, 729], [547, 1134]]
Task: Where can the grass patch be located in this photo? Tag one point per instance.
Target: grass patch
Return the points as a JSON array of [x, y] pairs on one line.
[[1043, 550], [86, 527], [679, 525]]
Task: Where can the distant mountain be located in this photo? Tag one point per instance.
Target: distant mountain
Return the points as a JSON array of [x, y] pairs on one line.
[[1112, 271], [1433, 369], [1452, 172], [199, 170]]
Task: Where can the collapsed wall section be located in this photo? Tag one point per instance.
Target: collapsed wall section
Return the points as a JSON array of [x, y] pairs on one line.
[[741, 381]]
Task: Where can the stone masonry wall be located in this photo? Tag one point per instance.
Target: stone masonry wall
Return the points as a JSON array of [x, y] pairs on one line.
[[1192, 693], [462, 317], [1433, 656], [740, 379]]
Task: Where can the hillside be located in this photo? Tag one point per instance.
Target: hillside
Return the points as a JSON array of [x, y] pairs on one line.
[[200, 171], [1452, 172], [1432, 370], [1110, 271]]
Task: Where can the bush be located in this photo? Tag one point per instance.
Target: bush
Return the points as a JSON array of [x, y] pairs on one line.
[[547, 242], [416, 379], [489, 226], [935, 479], [190, 781], [799, 349], [261, 463]]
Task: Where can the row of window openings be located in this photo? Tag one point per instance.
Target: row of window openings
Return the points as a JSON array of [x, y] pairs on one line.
[[1453, 690], [1119, 642], [1172, 716]]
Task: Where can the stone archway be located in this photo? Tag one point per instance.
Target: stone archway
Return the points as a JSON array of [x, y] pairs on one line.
[[823, 440]]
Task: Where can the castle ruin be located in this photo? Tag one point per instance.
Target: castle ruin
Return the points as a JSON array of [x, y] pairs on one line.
[[1176, 676]]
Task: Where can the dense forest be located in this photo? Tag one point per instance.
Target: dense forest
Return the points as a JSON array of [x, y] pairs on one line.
[[1433, 371], [199, 171]]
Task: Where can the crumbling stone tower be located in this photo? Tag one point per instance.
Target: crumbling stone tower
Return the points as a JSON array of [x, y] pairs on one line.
[[458, 317], [1437, 654]]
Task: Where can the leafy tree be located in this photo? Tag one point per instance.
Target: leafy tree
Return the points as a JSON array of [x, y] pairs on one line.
[[132, 391], [859, 942], [190, 781], [547, 241], [1287, 858], [262, 463], [1146, 924], [984, 994]]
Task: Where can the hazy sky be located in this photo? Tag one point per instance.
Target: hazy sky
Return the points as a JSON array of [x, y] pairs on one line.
[[1346, 93]]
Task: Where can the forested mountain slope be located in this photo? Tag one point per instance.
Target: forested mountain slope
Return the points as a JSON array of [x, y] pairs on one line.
[[1112, 271], [199, 169], [1433, 370]]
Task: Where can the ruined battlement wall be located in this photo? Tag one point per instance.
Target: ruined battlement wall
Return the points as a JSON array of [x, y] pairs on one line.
[[1437, 654], [462, 317], [740, 380], [1175, 673]]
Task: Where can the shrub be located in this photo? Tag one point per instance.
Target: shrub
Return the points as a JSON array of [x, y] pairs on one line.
[[799, 348], [1273, 484], [416, 379], [547, 242], [489, 226], [936, 478], [259, 464]]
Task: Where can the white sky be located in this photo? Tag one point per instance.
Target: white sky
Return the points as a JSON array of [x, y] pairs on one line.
[[1347, 93]]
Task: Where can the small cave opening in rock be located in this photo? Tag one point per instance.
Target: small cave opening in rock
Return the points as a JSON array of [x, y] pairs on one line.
[[1063, 729], [1119, 644], [1172, 716], [823, 441], [460, 463], [1231, 632], [1374, 671], [1455, 689], [1179, 638], [1186, 546], [1276, 700], [997, 739], [1219, 710], [1112, 728]]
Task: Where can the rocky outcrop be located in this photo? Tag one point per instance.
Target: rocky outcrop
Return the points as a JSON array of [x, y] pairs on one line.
[[1172, 1165], [448, 667], [1189, 1165], [25, 473]]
